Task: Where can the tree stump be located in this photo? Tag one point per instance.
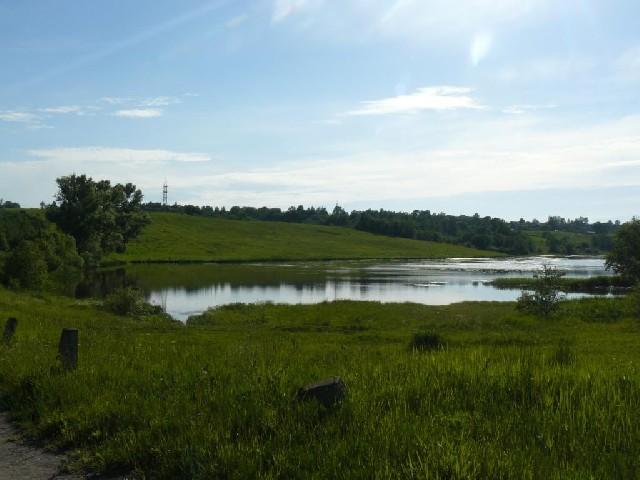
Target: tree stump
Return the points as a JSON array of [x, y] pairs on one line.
[[68, 348], [328, 392], [10, 330]]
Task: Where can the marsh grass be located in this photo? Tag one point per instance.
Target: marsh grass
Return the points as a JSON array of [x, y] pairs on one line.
[[423, 342], [214, 399]]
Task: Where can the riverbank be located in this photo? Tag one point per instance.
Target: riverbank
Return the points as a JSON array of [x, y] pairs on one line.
[[596, 284], [180, 238], [504, 394]]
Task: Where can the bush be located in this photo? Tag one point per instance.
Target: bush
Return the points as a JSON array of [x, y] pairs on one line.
[[545, 298], [426, 342], [597, 310], [26, 266], [129, 301]]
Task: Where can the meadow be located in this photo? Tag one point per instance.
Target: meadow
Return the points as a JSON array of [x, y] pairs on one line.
[[174, 237], [500, 395]]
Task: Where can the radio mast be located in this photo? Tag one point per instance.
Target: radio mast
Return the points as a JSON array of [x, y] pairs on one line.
[[165, 190]]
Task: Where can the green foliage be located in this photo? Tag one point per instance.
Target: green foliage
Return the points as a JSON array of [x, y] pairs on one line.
[[129, 301], [545, 297], [599, 310], [39, 255], [633, 301], [426, 342], [179, 237], [596, 284], [26, 266], [625, 256], [102, 218], [214, 399], [8, 204]]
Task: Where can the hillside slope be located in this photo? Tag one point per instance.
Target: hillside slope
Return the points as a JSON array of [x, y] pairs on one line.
[[179, 237]]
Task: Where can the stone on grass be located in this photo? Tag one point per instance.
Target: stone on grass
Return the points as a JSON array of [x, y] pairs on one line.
[[328, 392]]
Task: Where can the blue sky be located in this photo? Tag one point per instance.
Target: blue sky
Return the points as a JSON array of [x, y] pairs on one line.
[[502, 107]]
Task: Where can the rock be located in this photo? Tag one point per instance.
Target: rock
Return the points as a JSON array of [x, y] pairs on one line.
[[328, 392]]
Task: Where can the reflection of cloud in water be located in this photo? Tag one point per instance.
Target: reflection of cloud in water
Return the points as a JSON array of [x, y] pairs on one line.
[[434, 282]]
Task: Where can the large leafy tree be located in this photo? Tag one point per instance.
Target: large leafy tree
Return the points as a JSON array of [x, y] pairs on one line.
[[624, 258], [102, 218]]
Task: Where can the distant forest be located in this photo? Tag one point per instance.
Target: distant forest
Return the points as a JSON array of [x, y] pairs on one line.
[[555, 236]]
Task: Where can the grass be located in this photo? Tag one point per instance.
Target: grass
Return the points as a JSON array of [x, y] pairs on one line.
[[175, 237], [511, 396], [595, 284]]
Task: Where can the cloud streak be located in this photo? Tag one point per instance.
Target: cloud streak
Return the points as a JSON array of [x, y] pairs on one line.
[[116, 156], [427, 98], [139, 113]]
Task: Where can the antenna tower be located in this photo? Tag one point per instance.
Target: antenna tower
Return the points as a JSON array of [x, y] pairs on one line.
[[165, 190]]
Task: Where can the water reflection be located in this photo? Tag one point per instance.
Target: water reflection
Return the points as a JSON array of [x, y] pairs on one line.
[[184, 290]]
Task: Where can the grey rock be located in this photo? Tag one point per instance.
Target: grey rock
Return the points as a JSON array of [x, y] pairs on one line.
[[328, 392]]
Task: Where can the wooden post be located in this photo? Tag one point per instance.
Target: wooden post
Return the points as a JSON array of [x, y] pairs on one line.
[[69, 348], [10, 330]]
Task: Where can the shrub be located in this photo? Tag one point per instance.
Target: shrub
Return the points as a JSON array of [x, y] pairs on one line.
[[426, 342], [545, 298], [129, 301], [26, 266]]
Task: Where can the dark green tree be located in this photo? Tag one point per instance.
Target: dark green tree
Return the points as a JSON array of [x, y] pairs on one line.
[[624, 258], [102, 218]]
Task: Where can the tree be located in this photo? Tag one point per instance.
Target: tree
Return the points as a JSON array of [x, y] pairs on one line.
[[102, 218], [545, 298], [624, 258]]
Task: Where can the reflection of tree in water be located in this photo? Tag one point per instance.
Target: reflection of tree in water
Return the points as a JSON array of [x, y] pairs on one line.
[[99, 283]]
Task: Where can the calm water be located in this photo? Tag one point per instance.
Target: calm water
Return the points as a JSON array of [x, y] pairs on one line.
[[185, 290]]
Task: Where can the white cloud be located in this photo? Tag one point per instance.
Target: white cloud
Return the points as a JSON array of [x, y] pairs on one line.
[[427, 98], [522, 109], [444, 17], [115, 100], [159, 101], [125, 156], [284, 8], [139, 113], [18, 117], [63, 109], [480, 47]]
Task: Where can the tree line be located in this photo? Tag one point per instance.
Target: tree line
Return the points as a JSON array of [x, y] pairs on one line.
[[556, 235]]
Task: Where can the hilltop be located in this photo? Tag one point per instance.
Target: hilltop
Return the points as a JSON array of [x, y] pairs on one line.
[[181, 238]]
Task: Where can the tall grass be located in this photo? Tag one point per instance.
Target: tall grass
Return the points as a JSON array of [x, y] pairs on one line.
[[215, 399]]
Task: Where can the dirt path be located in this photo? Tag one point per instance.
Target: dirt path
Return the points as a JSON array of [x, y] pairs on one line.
[[19, 461]]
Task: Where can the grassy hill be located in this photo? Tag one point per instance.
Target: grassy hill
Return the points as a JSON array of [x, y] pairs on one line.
[[179, 237]]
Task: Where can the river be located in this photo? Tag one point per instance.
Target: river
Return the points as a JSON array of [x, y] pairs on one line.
[[184, 290]]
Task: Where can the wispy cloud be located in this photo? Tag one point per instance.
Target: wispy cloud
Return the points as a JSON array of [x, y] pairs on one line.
[[159, 101], [115, 100], [110, 155], [427, 98], [480, 47], [284, 8], [18, 117], [521, 109], [139, 113], [236, 21]]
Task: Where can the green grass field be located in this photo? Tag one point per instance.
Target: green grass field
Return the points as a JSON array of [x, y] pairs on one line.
[[179, 237], [509, 396]]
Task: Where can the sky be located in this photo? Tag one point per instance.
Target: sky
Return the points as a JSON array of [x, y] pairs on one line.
[[508, 108]]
